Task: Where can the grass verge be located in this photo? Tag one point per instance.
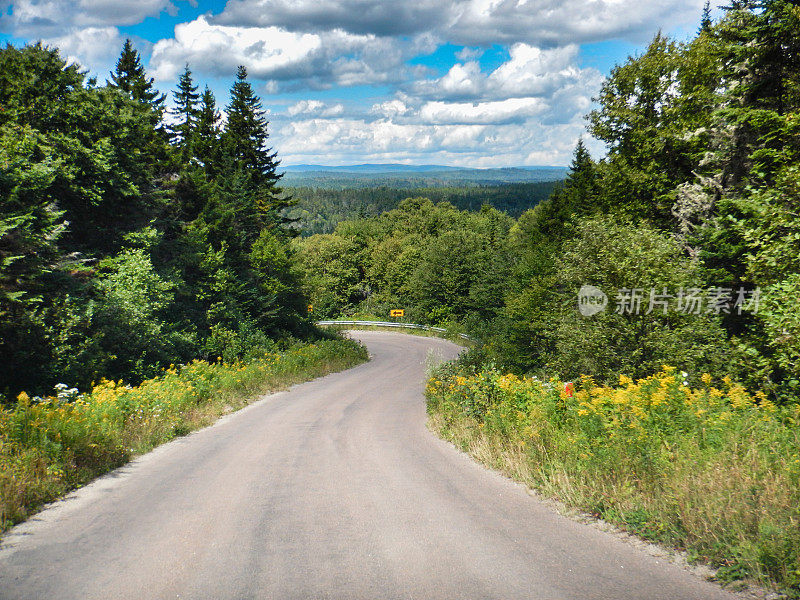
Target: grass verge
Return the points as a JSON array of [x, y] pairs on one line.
[[49, 446], [712, 471]]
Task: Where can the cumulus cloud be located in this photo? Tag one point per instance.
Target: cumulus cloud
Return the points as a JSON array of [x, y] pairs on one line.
[[316, 108], [470, 22], [348, 140], [512, 110], [318, 60], [41, 19], [390, 109], [528, 110], [92, 46], [354, 16], [530, 71]]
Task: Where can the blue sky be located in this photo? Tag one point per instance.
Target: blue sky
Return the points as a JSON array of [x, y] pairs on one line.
[[482, 83]]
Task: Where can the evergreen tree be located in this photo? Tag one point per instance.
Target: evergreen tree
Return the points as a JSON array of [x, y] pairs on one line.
[[186, 112], [207, 132], [705, 20], [130, 77], [244, 151], [245, 137]]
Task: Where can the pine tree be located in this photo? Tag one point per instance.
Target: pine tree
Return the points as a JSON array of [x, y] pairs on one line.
[[206, 148], [130, 77], [187, 113]]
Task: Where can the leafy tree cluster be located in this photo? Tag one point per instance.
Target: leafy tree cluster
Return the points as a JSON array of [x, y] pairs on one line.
[[133, 236], [699, 190], [437, 262]]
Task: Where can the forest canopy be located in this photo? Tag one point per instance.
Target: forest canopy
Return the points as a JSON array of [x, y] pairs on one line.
[[695, 205], [127, 244]]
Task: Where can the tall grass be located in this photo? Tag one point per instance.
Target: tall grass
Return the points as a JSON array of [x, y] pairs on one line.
[[713, 470], [51, 445]]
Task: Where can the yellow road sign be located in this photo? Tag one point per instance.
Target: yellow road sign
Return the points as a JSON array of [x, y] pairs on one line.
[[310, 308], [397, 312]]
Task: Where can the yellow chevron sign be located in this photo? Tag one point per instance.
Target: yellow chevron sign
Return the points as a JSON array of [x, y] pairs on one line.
[[397, 312]]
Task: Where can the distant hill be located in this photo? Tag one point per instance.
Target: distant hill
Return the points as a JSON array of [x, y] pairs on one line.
[[412, 176], [371, 168]]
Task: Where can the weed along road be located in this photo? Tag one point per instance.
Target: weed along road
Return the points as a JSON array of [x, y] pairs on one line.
[[333, 489]]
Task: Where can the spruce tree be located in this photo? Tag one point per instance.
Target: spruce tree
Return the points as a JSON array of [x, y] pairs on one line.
[[206, 136], [705, 21], [130, 77], [245, 137], [186, 113]]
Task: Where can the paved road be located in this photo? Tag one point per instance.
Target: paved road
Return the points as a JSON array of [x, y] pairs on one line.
[[334, 489]]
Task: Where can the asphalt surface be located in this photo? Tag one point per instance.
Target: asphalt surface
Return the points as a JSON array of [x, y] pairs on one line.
[[333, 489]]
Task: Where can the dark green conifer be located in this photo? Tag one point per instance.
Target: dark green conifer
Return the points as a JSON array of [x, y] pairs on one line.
[[130, 77], [186, 113]]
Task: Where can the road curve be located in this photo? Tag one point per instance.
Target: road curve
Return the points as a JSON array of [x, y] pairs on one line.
[[333, 489]]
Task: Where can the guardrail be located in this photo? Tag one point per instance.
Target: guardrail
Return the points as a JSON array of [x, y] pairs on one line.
[[394, 324]]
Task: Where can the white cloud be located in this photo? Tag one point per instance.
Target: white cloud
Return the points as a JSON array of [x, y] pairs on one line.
[[530, 71], [93, 46], [461, 81], [379, 17], [526, 111], [57, 18], [316, 60], [470, 22], [529, 110], [220, 49], [348, 140], [467, 53], [316, 108], [558, 22], [496, 112], [390, 108]]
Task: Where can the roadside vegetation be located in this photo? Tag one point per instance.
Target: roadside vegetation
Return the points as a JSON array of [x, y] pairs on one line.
[[711, 469], [132, 237], [56, 443]]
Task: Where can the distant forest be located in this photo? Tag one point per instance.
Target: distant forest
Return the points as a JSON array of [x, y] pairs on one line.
[[319, 210], [412, 177]]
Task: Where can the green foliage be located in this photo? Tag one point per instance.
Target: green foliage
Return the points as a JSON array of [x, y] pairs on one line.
[[186, 114], [332, 274], [245, 137], [617, 256], [437, 262], [112, 263], [207, 133], [320, 209]]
